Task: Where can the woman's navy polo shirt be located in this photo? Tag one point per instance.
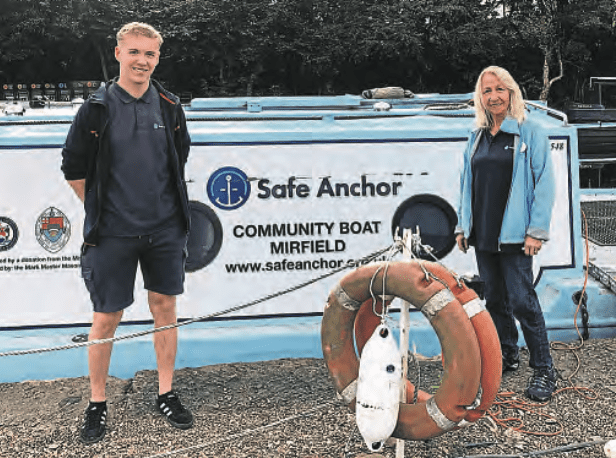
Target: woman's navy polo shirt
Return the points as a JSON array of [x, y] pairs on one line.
[[492, 169]]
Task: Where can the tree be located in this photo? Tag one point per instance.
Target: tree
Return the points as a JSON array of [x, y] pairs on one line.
[[462, 37], [559, 29], [258, 47], [22, 35]]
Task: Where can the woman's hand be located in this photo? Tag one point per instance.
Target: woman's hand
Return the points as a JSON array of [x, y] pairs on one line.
[[531, 246], [462, 242]]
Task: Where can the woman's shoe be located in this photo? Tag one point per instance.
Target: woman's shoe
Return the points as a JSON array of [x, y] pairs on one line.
[[511, 363], [542, 384]]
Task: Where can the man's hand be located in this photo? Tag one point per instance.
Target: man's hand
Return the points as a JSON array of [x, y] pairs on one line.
[[79, 186]]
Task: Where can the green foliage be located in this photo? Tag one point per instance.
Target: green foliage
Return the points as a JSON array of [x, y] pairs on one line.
[[266, 47]]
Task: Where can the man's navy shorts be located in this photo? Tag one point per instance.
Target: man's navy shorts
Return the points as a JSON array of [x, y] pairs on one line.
[[109, 268]]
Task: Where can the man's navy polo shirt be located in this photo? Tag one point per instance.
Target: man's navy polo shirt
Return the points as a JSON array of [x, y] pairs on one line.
[[140, 197], [492, 168]]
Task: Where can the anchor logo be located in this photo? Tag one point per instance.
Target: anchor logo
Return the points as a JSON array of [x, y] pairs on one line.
[[228, 188]]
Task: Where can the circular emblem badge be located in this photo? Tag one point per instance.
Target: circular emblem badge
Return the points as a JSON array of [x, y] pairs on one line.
[[8, 233], [53, 230], [228, 188]]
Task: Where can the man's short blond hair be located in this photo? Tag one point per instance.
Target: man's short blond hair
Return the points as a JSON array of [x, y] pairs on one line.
[[139, 28]]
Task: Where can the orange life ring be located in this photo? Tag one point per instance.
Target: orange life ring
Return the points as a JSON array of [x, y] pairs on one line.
[[416, 283], [489, 344]]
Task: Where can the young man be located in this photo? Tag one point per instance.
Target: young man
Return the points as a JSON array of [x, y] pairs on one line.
[[124, 157]]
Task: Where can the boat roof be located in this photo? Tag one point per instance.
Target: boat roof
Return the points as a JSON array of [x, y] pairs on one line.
[[282, 119]]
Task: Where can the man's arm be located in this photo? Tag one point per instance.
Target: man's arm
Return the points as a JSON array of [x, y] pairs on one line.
[[80, 145], [79, 186]]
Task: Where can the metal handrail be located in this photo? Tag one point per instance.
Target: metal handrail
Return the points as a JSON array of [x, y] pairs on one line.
[[552, 111], [609, 80]]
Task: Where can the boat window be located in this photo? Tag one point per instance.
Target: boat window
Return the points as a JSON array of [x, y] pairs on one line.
[[205, 237], [435, 219], [597, 153], [595, 175]]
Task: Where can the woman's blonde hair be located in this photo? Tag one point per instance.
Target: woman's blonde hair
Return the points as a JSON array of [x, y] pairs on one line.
[[139, 28], [483, 118]]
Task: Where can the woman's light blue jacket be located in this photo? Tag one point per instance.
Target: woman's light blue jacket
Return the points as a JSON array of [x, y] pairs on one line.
[[531, 196]]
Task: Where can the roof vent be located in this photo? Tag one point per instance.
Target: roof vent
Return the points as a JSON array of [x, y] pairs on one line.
[[382, 106], [14, 109]]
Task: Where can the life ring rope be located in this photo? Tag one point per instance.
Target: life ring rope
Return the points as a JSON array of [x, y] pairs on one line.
[[437, 303], [344, 300]]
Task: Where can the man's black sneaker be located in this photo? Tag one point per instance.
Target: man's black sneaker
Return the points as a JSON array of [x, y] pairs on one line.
[[94, 422], [542, 383], [173, 410], [510, 363]]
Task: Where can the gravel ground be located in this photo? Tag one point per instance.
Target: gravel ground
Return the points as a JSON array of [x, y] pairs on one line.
[[287, 408]]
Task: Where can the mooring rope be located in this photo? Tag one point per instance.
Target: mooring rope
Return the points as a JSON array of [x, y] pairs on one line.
[[246, 432], [366, 259]]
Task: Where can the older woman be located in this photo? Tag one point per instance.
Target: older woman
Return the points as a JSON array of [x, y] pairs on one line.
[[506, 199]]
